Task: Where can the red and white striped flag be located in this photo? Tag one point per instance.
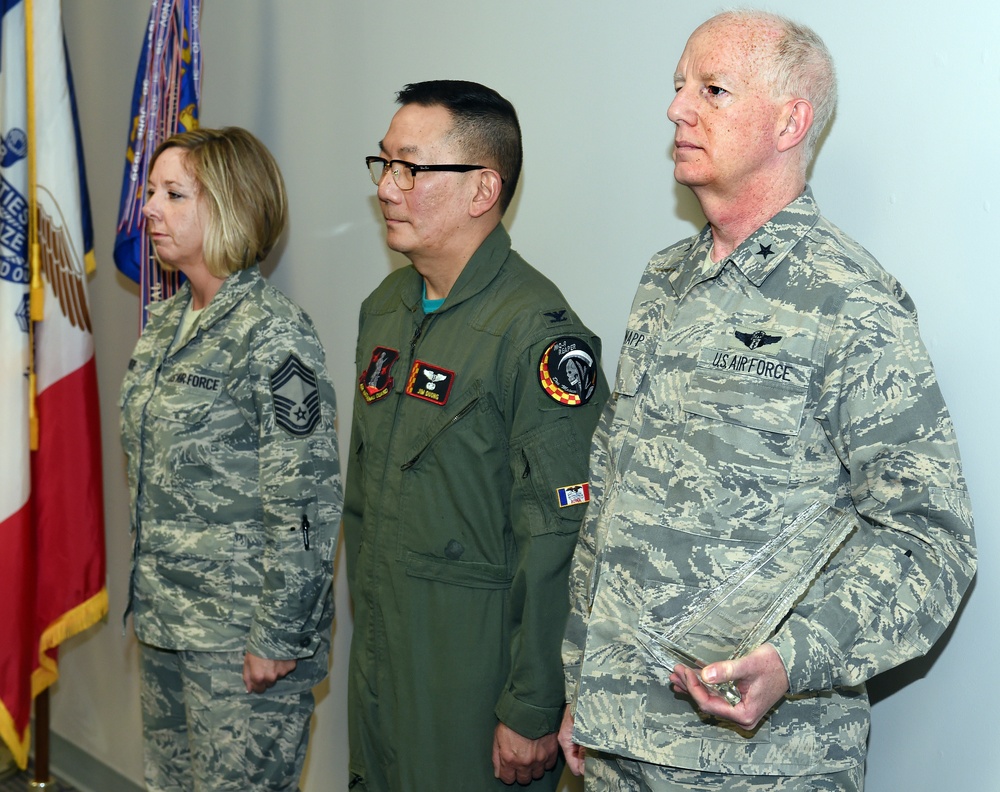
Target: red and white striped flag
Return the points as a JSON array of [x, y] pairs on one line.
[[52, 567]]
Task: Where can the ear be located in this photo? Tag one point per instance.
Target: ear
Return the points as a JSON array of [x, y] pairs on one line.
[[796, 120], [487, 192]]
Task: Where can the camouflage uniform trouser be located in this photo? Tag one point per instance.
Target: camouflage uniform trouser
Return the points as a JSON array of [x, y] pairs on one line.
[[202, 732], [607, 773]]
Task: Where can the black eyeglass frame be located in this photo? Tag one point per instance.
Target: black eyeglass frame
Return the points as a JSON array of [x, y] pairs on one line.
[[414, 168]]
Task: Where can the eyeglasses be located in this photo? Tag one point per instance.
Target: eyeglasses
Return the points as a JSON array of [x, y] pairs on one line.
[[403, 172]]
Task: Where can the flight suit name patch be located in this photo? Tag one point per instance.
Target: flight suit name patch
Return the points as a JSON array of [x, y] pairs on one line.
[[430, 383]]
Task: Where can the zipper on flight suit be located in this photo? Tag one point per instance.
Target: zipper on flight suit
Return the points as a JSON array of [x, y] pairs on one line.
[[454, 420]]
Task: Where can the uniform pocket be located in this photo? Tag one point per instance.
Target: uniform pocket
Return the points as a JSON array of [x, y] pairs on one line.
[[187, 567], [751, 391], [742, 414], [448, 507], [550, 474]]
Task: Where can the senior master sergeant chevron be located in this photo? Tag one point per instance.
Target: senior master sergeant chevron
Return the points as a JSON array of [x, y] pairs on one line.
[[769, 364]]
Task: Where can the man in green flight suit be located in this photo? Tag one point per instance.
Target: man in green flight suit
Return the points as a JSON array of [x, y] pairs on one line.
[[478, 391]]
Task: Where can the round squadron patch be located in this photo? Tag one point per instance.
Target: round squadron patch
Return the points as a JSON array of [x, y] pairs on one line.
[[567, 371]]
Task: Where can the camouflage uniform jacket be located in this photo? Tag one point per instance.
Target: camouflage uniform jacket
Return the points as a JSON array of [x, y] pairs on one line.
[[234, 477], [790, 373], [457, 547]]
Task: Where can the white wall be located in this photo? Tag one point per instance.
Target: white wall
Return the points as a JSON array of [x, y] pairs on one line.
[[909, 168]]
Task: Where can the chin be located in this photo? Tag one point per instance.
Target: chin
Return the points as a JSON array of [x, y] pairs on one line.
[[689, 178], [396, 244]]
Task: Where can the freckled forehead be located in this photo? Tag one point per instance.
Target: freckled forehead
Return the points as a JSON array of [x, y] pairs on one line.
[[732, 48]]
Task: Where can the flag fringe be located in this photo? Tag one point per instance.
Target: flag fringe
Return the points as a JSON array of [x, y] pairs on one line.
[[17, 743], [74, 621]]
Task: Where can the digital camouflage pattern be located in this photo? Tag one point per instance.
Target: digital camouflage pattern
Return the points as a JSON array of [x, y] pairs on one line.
[[235, 509], [790, 373], [606, 773], [457, 547], [235, 742]]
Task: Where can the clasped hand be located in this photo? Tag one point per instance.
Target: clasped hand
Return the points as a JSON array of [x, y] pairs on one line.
[[760, 678]]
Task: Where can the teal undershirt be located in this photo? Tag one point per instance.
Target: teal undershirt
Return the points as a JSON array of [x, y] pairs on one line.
[[430, 306]]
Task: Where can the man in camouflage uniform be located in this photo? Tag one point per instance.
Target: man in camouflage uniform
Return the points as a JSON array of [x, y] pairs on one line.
[[769, 364], [478, 391]]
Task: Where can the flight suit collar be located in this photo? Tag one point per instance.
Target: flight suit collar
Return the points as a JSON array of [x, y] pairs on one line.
[[477, 274]]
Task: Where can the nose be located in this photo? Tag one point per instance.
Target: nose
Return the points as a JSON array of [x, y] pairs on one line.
[[148, 208], [387, 189], [680, 108]]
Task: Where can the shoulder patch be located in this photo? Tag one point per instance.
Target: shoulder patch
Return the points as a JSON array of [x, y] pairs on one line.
[[573, 495], [567, 371], [295, 394]]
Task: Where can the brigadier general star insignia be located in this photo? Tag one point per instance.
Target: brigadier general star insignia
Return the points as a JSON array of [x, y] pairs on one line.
[[295, 394], [567, 371], [765, 252]]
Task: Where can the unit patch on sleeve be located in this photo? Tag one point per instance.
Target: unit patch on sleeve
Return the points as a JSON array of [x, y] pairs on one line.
[[295, 394], [567, 371], [430, 383], [376, 383], [571, 496]]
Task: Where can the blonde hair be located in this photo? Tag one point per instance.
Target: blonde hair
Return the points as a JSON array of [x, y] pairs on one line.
[[243, 191]]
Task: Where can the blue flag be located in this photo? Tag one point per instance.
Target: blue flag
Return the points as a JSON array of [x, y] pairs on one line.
[[165, 101]]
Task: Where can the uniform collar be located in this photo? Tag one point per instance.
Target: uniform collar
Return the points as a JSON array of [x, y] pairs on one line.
[[477, 274], [165, 315], [758, 255]]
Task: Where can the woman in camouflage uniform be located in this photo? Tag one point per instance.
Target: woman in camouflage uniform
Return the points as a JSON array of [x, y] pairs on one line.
[[228, 424]]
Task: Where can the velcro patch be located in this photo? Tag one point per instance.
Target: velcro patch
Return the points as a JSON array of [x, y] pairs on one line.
[[295, 394], [571, 496], [430, 383], [567, 371], [376, 383]]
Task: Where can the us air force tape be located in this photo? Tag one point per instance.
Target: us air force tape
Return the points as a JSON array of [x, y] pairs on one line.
[[295, 394], [567, 371]]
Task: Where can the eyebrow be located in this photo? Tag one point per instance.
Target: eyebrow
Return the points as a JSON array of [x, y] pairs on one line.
[[402, 150], [708, 77]]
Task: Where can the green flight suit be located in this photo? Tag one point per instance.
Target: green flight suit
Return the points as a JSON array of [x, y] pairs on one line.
[[464, 439]]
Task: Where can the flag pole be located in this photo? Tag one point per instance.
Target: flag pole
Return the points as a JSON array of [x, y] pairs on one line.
[[42, 779], [36, 312]]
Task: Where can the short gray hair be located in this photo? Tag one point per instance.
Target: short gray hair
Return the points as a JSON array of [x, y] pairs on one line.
[[801, 66]]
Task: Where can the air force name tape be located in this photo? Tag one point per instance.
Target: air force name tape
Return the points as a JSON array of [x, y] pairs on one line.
[[567, 371], [295, 394]]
